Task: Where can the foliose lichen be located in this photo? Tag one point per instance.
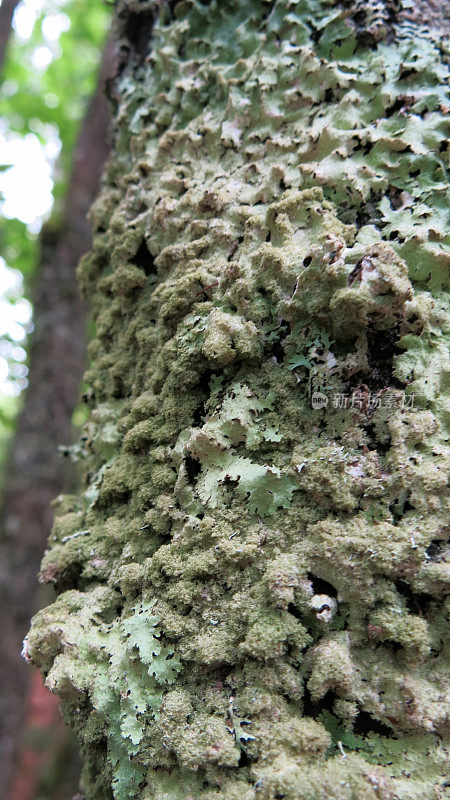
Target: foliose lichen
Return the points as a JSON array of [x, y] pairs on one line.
[[251, 590]]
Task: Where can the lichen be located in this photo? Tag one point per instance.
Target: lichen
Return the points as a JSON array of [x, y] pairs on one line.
[[251, 589]]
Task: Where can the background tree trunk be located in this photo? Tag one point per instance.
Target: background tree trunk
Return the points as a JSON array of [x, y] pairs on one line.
[[7, 8], [36, 473], [251, 585]]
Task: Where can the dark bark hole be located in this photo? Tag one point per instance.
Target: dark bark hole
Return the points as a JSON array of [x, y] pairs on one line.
[[118, 608], [435, 550], [407, 506], [406, 73], [294, 611], [138, 30], [119, 388], [65, 579], [234, 247], [366, 148], [355, 273], [382, 348], [121, 497], [314, 708], [321, 586], [394, 196], [359, 18], [231, 483], [400, 506], [269, 9], [366, 214], [204, 380], [198, 415], [193, 469], [144, 259], [244, 760], [417, 602], [203, 385], [315, 33], [381, 447], [278, 351], [276, 346], [403, 103], [365, 723]]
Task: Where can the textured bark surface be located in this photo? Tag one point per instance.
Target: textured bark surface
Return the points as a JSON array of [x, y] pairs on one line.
[[7, 8], [36, 473], [252, 585]]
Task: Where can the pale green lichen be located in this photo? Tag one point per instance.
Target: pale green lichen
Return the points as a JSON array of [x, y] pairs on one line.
[[251, 590]]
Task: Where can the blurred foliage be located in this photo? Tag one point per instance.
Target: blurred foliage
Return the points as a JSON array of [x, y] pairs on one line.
[[18, 246], [9, 407], [46, 83], [50, 101]]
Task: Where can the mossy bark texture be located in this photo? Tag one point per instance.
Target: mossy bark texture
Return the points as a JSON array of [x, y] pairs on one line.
[[251, 588]]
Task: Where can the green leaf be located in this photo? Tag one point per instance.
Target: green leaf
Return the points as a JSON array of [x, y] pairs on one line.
[[298, 361]]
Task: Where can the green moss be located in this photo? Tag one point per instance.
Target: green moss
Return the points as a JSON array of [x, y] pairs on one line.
[[251, 590]]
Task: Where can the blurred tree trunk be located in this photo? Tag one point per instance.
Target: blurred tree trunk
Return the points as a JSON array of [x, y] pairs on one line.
[[36, 472], [7, 9]]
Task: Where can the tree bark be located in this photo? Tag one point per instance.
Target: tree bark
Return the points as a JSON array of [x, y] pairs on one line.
[[36, 472], [251, 584], [7, 9]]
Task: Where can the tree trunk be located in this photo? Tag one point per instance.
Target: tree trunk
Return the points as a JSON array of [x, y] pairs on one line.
[[251, 585], [7, 9], [57, 360]]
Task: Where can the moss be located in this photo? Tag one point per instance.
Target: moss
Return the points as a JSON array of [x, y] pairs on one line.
[[250, 589], [228, 338]]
